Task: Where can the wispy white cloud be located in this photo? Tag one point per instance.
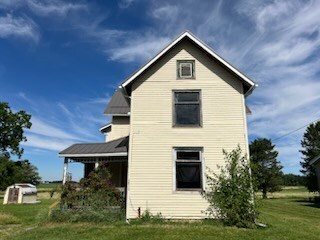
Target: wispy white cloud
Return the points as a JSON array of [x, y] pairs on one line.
[[56, 126], [18, 27], [138, 49], [64, 109], [54, 7], [167, 11], [125, 3], [48, 143], [22, 25], [44, 7], [44, 128], [10, 4]]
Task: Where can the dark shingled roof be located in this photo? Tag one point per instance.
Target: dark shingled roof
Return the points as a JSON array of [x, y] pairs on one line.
[[116, 146], [118, 104]]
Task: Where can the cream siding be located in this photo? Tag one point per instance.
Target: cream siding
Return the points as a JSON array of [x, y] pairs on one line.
[[120, 128], [152, 137]]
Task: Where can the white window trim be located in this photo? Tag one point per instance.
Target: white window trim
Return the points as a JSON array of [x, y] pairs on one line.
[[174, 180], [186, 62]]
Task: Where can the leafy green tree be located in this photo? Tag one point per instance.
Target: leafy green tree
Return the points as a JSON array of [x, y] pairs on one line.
[[266, 170], [230, 194], [7, 172], [26, 172], [12, 127], [311, 149], [17, 172], [11, 130], [293, 180]]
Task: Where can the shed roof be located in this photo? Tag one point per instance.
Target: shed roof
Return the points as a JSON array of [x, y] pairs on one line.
[[117, 147], [118, 104]]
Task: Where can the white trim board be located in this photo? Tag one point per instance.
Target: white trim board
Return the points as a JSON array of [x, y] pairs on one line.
[[105, 126], [119, 154]]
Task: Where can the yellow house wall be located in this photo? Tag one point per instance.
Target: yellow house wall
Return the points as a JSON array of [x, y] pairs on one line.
[[151, 184], [120, 128]]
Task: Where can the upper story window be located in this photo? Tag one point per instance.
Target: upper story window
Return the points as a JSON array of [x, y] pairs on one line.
[[187, 108], [186, 69]]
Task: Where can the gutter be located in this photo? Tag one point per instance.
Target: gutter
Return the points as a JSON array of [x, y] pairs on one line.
[[253, 87]]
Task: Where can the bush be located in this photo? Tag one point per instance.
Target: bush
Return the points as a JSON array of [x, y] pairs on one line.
[[94, 192], [230, 193], [94, 199]]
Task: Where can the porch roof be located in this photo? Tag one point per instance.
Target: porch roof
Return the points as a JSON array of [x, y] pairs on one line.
[[115, 148]]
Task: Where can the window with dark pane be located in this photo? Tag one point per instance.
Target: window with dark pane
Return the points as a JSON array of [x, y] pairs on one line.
[[188, 170], [187, 108], [185, 69]]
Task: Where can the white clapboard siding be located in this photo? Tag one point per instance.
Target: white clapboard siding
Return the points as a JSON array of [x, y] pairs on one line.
[[120, 128], [152, 137]]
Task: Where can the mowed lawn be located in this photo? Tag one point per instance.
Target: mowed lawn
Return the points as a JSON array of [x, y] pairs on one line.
[[288, 214]]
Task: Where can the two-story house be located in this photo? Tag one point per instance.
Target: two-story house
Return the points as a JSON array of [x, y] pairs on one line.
[[170, 122]]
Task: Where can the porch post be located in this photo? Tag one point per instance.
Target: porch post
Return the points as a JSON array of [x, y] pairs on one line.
[[65, 170], [96, 165]]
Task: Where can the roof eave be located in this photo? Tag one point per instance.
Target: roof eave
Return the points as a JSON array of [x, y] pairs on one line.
[[105, 127], [119, 154]]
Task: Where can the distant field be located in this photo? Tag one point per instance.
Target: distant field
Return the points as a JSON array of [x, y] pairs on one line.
[[299, 191], [289, 215], [46, 186]]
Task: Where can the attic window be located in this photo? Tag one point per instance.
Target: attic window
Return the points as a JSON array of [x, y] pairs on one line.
[[185, 69]]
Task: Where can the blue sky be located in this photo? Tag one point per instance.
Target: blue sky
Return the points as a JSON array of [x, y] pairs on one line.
[[61, 61]]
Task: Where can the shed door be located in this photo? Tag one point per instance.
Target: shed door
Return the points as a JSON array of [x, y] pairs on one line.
[[13, 195]]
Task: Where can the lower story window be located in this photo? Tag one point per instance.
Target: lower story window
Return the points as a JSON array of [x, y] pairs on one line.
[[188, 168]]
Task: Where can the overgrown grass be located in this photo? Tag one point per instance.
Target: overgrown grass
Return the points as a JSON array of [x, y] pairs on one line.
[[18, 218], [87, 215], [290, 217]]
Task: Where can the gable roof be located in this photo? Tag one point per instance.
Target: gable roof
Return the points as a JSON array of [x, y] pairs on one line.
[[246, 80], [106, 128], [118, 105]]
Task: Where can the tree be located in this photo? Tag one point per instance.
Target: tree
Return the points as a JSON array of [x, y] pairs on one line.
[[230, 194], [293, 180], [7, 170], [266, 170], [11, 130], [12, 127], [311, 149], [17, 172], [26, 172]]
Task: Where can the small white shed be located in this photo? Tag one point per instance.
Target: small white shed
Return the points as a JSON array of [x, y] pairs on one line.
[[20, 193]]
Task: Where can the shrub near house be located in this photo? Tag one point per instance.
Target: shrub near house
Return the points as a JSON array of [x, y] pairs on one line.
[[93, 199]]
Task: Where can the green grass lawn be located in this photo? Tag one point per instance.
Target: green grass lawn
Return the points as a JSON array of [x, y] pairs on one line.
[[290, 216]]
